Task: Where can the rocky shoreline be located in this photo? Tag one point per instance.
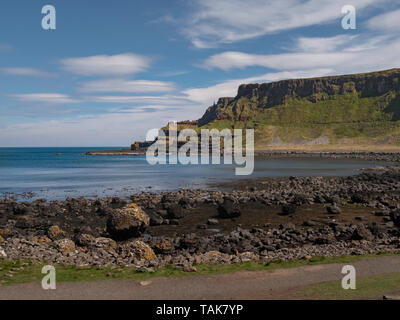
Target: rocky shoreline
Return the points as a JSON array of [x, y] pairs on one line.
[[258, 220], [371, 156]]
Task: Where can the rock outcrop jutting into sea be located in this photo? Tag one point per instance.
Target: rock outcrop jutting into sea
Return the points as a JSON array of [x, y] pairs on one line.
[[347, 110]]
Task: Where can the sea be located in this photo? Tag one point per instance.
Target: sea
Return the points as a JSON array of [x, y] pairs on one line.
[[58, 173]]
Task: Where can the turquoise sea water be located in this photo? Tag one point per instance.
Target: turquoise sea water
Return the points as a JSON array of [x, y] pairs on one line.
[[57, 173]]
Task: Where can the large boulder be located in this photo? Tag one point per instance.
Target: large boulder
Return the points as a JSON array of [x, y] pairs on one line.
[[128, 222], [162, 246], [156, 219], [22, 209], [56, 233], [86, 240], [41, 239], [229, 209], [140, 250], [105, 243], [300, 199], [26, 222], [175, 212], [361, 233], [89, 241], [360, 197], [5, 232], [65, 245]]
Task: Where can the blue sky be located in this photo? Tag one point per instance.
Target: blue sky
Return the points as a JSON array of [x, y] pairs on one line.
[[112, 70]]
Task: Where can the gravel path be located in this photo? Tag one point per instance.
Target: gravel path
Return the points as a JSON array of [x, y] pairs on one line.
[[238, 285]]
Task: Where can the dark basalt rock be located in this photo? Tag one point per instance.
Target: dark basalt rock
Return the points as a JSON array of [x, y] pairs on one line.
[[228, 209], [300, 199], [334, 209], [360, 198], [289, 209], [175, 212], [361, 233], [22, 209], [155, 219], [395, 216]]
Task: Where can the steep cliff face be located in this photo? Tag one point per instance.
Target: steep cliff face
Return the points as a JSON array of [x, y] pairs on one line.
[[215, 112], [369, 93]]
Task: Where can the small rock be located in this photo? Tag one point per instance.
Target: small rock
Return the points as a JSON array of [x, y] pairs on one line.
[[65, 245], [105, 243], [289, 209], [41, 239], [391, 297], [145, 269], [395, 216], [212, 222], [162, 246], [86, 240], [189, 268], [156, 220], [4, 232], [334, 209], [309, 223], [56, 233]]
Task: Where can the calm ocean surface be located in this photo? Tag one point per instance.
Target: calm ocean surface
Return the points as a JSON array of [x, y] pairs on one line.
[[72, 174]]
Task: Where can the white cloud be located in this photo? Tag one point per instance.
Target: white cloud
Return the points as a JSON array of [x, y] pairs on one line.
[[127, 86], [101, 65], [387, 22], [351, 59], [286, 61], [18, 71], [319, 44], [48, 98], [172, 73], [217, 22], [102, 130], [143, 100], [110, 129]]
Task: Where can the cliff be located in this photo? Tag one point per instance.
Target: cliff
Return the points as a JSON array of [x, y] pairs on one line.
[[342, 110], [252, 98]]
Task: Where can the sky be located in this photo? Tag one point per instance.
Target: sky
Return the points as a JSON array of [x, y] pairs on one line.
[[113, 70]]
